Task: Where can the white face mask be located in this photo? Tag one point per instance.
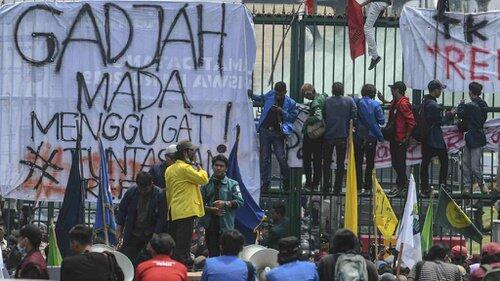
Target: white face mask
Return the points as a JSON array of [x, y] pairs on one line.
[[21, 250]]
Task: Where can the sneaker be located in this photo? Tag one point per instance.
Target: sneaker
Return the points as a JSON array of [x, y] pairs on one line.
[[425, 192], [264, 189], [374, 62]]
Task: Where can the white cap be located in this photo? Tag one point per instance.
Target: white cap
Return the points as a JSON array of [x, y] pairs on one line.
[[171, 149]]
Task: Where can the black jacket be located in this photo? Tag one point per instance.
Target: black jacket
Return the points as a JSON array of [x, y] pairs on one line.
[[474, 115], [433, 113], [91, 266]]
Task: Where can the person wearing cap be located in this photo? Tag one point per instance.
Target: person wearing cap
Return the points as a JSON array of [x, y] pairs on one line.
[[339, 111], [433, 145], [401, 116], [279, 112], [229, 266], [85, 265], [372, 13], [291, 268], [460, 256], [312, 144], [161, 267], [142, 212], [474, 115], [158, 170], [185, 203], [368, 133], [490, 259], [435, 267], [33, 265], [222, 197]]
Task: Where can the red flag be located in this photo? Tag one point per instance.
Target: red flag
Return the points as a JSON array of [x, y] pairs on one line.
[[356, 23], [310, 7]]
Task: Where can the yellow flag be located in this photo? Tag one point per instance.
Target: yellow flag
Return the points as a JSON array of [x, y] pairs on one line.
[[385, 219], [351, 197]]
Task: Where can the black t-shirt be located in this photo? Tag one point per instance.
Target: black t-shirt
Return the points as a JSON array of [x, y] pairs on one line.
[[90, 266], [273, 119]]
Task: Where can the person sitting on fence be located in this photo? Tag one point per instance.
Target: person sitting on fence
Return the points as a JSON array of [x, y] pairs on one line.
[[346, 256], [84, 265], [33, 265], [161, 266], [291, 268]]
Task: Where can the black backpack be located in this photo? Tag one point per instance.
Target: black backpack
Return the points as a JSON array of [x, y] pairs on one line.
[[422, 128]]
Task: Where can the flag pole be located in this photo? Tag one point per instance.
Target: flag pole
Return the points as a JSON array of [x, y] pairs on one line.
[[398, 267], [374, 191], [103, 206]]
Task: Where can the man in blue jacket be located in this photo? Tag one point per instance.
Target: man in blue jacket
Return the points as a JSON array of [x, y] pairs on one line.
[[275, 124], [142, 212], [474, 115], [370, 118]]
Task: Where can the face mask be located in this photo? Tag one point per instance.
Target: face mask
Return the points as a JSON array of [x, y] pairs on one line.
[[21, 249]]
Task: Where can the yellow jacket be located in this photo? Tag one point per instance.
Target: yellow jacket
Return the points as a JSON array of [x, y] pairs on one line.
[[183, 190]]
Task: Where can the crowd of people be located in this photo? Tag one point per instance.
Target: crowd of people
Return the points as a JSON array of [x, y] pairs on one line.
[[327, 128], [342, 260]]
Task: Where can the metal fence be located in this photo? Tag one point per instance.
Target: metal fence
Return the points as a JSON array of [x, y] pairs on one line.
[[316, 50]]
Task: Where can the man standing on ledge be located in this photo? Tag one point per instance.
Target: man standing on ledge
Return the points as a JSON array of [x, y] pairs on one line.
[[275, 124], [372, 13], [184, 200]]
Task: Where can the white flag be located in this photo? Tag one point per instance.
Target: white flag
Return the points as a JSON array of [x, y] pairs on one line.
[[409, 230]]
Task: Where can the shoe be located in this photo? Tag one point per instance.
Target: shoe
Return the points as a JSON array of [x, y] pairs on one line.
[[264, 189], [393, 192], [425, 192], [374, 62], [307, 187]]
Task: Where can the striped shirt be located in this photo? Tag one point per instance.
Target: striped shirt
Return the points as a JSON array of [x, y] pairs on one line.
[[437, 271]]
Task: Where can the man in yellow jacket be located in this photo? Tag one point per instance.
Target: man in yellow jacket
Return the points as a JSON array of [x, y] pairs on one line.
[[183, 180]]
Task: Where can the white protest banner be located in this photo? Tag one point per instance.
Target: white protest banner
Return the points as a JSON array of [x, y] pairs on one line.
[[453, 138], [466, 49], [140, 74]]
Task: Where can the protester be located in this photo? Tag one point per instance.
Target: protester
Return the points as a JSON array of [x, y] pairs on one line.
[[275, 124], [280, 226], [460, 256], [222, 197], [142, 212], [158, 170], [490, 259], [434, 267], [291, 268], [474, 116], [185, 203], [312, 142], [400, 126], [33, 265], [339, 111], [84, 265], [229, 266], [433, 144], [3, 241], [368, 132], [345, 242], [375, 8], [161, 267]]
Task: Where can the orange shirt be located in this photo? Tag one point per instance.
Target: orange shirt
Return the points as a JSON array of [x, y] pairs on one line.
[[161, 268]]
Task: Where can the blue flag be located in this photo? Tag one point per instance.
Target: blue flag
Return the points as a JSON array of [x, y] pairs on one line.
[[250, 215], [105, 224], [72, 210]]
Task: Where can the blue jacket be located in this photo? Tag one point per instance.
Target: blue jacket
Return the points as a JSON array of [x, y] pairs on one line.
[[225, 268], [370, 118], [127, 212], [339, 111], [296, 270], [474, 114], [290, 111]]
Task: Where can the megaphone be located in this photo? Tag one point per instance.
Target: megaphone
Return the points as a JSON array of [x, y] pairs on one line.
[[263, 259], [122, 260]]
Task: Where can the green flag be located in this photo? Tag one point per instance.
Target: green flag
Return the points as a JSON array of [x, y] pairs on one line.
[[54, 258], [449, 215], [427, 230]]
